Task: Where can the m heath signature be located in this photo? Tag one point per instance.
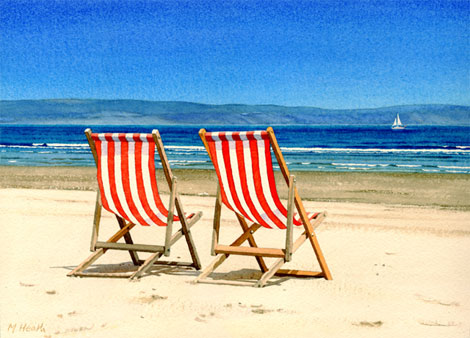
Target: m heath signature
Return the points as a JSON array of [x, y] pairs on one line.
[[26, 327]]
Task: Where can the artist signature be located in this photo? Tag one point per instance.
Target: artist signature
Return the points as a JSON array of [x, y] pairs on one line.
[[26, 327]]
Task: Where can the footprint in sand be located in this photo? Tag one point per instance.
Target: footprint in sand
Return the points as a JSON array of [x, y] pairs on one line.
[[151, 298], [437, 323], [436, 301], [378, 323], [202, 317]]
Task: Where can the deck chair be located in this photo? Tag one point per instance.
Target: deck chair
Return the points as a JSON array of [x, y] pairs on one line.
[[246, 186], [128, 189]]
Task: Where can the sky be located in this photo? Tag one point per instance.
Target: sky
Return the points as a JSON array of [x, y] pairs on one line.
[[324, 53]]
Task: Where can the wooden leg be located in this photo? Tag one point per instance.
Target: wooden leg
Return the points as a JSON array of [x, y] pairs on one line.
[[290, 216], [156, 256], [252, 242], [128, 239], [87, 262], [169, 219], [187, 234], [268, 274], [97, 254], [216, 222], [310, 233], [147, 264], [96, 222], [320, 257], [220, 258]]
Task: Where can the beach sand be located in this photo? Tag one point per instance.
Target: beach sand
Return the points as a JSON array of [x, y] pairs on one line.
[[397, 245]]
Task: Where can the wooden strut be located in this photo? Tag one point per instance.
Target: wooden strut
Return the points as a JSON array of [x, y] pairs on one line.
[[96, 222], [252, 242], [100, 248], [300, 207], [179, 206], [129, 241], [241, 221], [220, 258], [175, 237], [98, 253], [283, 255]]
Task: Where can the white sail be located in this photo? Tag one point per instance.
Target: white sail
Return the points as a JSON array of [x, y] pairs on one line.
[[397, 125], [398, 120]]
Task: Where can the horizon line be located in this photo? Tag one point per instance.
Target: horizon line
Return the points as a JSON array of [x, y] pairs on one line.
[[239, 104]]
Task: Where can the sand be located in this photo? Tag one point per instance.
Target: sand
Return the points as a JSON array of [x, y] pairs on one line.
[[400, 268]]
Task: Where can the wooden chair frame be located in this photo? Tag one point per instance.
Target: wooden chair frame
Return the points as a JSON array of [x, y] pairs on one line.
[[282, 255], [99, 248]]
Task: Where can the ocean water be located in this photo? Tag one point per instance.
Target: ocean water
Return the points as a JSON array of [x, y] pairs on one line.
[[422, 149]]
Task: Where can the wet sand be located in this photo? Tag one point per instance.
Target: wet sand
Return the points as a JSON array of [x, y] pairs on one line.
[[436, 190]]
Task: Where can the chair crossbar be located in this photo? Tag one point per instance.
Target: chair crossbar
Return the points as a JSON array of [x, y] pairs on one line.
[[170, 263], [250, 251], [104, 274], [299, 273], [134, 247], [226, 282]]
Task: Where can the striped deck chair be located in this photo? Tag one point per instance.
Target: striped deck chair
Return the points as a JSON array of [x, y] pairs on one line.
[[246, 185], [128, 189]]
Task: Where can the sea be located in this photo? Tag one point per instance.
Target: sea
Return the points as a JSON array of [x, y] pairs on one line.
[[417, 149]]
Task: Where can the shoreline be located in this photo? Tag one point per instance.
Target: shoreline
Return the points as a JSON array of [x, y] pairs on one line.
[[449, 191]]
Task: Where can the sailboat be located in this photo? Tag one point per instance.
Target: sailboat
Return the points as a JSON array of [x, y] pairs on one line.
[[397, 125]]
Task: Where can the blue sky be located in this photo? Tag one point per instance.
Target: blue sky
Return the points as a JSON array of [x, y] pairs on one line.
[[329, 54]]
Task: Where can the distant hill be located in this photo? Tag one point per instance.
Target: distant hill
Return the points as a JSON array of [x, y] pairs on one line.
[[71, 111]]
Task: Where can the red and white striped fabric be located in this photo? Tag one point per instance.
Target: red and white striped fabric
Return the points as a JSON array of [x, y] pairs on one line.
[[126, 178], [244, 167]]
